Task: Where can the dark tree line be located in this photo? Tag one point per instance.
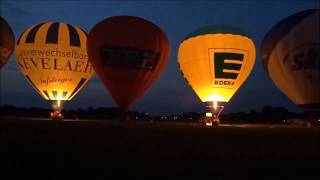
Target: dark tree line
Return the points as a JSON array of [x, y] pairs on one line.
[[268, 114], [89, 113]]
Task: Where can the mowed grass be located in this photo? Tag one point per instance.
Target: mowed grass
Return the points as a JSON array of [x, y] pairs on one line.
[[98, 149]]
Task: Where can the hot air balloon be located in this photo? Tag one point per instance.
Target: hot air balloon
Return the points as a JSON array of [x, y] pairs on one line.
[[291, 57], [215, 61], [6, 42], [53, 57], [128, 54]]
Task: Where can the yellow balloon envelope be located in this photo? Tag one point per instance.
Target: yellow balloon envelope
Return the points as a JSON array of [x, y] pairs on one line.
[[53, 57], [215, 61]]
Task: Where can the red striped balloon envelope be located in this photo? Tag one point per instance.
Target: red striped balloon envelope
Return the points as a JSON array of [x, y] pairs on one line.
[[128, 54]]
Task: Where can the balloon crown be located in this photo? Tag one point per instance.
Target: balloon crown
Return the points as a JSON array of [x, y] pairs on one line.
[[214, 29]]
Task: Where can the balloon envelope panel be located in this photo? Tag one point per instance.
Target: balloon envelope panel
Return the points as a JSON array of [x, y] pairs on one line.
[[128, 53], [216, 62], [53, 58], [7, 42], [291, 56]]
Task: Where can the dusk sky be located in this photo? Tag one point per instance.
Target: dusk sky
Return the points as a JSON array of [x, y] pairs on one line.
[[170, 93]]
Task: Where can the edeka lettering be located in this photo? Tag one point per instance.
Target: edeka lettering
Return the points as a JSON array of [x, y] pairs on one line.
[[55, 64], [224, 83]]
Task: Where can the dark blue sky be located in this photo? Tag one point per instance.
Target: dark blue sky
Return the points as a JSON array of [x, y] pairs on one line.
[[170, 93]]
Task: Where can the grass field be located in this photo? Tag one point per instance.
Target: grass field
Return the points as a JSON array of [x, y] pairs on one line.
[[112, 150]]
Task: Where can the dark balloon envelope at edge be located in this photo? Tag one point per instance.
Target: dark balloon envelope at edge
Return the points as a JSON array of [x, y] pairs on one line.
[[7, 41]]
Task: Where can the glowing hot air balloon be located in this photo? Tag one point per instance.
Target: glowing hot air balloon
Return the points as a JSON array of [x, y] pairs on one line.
[[291, 57], [6, 42], [128, 54], [53, 57], [215, 61]]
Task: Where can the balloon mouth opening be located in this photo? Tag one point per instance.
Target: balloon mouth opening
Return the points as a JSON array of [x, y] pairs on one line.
[[57, 106], [216, 111]]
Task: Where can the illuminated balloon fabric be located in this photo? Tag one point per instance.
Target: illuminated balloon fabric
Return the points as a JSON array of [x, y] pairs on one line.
[[128, 54], [6, 42], [291, 56], [53, 57], [215, 61]]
